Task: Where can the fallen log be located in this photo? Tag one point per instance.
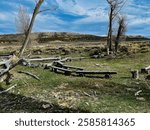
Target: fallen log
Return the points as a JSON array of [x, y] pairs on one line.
[[5, 65], [42, 59], [96, 72], [64, 60], [58, 64], [72, 67], [106, 74], [47, 65], [62, 65], [30, 74], [71, 59], [65, 71]]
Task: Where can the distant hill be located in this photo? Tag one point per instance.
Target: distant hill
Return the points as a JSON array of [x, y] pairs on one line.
[[45, 37]]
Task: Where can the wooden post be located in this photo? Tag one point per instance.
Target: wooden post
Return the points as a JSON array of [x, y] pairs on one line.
[[135, 74]]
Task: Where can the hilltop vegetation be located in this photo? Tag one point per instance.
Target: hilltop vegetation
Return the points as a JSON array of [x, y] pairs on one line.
[[59, 36]]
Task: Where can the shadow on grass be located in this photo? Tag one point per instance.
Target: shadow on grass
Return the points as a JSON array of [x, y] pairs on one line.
[[11, 103]]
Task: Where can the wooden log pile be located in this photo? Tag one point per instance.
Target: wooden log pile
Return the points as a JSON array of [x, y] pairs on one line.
[[58, 66]]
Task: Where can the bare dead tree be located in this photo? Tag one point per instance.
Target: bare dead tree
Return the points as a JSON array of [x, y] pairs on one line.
[[122, 28], [16, 60], [22, 20], [36, 11], [115, 7]]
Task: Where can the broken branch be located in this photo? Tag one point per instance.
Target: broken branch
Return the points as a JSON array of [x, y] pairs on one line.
[[8, 89], [30, 74]]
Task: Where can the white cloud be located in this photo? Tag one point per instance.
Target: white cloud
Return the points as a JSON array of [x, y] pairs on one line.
[[7, 16], [138, 21]]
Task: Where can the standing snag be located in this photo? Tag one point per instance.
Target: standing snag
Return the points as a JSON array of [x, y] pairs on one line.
[[122, 28], [36, 11], [115, 7]]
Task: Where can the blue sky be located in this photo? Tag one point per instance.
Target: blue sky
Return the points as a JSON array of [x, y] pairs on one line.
[[82, 16]]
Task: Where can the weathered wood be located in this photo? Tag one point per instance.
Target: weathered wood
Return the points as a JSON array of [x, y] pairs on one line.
[[35, 12], [30, 74], [72, 67], [5, 56], [64, 60], [145, 69], [43, 59], [65, 71], [135, 74], [8, 89], [71, 59], [10, 64], [58, 64], [76, 58], [61, 65], [107, 75], [95, 72], [5, 66], [47, 65]]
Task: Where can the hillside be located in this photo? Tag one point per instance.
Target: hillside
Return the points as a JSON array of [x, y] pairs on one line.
[[45, 37]]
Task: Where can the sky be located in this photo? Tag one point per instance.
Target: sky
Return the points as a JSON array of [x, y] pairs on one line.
[[81, 16]]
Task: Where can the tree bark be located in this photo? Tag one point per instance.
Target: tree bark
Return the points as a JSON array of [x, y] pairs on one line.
[[109, 36]]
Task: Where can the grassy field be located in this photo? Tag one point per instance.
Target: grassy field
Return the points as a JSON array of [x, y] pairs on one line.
[[58, 93]]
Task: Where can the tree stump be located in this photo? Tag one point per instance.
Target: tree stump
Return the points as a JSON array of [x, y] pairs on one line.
[[135, 74]]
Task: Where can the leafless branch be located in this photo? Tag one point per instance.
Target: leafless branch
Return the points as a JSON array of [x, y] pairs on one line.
[[8, 89], [30, 74]]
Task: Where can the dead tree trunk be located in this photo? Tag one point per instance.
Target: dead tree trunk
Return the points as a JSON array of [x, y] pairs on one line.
[[109, 36], [115, 7], [121, 31], [36, 10]]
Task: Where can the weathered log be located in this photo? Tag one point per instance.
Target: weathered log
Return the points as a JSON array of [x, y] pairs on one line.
[[43, 59], [95, 72], [72, 67], [30, 74], [64, 60], [8, 89], [10, 64], [107, 75], [61, 65], [47, 65], [5, 67], [70, 59], [58, 64], [65, 71]]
